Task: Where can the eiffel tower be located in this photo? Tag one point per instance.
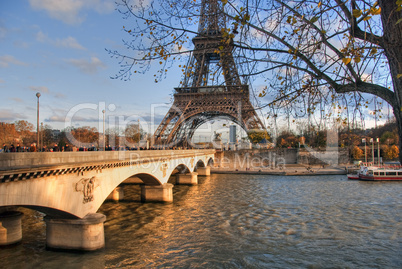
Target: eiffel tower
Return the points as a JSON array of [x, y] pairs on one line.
[[198, 101]]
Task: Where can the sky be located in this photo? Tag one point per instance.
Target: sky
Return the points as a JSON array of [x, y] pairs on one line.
[[57, 48]]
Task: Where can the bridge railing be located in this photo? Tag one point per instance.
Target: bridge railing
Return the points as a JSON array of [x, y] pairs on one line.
[[21, 160]]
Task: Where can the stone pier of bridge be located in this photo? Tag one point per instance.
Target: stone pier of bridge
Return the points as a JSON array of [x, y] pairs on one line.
[[69, 187]]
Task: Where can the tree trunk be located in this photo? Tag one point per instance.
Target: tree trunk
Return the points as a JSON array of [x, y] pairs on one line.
[[398, 116], [392, 42]]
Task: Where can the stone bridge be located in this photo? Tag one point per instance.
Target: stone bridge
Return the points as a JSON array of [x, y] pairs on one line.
[[69, 187]]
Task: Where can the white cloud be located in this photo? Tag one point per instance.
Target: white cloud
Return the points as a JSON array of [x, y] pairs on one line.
[[88, 67], [70, 11], [41, 89], [6, 115], [44, 89], [21, 44], [59, 95], [17, 99], [55, 118], [64, 10], [61, 117], [41, 37], [58, 115], [103, 7], [6, 60], [68, 42]]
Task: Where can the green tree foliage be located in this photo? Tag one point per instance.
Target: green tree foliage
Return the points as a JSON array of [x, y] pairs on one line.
[[320, 139], [26, 132], [23, 127], [86, 134], [113, 137], [286, 140], [391, 153], [132, 133], [350, 139], [46, 136], [389, 138], [258, 136], [8, 134]]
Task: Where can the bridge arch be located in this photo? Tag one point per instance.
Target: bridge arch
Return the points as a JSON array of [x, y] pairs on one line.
[[201, 163], [147, 179], [180, 168], [116, 192], [210, 162], [54, 212]]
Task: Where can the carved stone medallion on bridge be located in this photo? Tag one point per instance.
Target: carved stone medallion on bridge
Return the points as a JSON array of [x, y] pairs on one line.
[[164, 167], [87, 187]]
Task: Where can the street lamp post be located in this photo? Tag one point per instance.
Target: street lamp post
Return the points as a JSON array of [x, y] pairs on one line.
[[37, 127]]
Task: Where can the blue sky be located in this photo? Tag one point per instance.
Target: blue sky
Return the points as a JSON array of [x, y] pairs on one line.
[[57, 48]]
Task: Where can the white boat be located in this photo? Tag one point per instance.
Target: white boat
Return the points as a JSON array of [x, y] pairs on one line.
[[381, 173], [353, 176], [356, 174]]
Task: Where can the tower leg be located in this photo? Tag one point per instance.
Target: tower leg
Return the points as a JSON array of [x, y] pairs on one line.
[[187, 179], [159, 193], [86, 234], [10, 227]]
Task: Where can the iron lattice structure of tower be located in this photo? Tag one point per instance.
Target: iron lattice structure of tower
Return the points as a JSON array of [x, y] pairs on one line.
[[196, 102]]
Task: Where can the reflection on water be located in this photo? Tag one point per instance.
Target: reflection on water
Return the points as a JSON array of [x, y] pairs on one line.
[[238, 221]]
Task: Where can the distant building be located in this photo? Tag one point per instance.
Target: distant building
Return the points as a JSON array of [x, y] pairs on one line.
[[232, 134]]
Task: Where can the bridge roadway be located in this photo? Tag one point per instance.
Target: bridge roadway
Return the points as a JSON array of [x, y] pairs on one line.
[[69, 187]]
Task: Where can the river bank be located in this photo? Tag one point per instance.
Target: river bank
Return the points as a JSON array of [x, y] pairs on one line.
[[289, 170]]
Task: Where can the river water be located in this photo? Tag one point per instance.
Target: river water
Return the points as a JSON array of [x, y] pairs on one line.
[[238, 221]]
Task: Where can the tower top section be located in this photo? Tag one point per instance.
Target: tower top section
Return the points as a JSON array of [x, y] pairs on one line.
[[212, 19], [211, 63]]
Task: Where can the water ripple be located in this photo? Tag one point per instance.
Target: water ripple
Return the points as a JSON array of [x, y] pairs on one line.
[[239, 221]]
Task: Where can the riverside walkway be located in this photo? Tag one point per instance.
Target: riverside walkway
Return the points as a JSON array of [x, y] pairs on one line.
[[287, 170]]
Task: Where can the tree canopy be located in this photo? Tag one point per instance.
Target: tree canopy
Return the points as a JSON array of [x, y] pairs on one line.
[[306, 51], [133, 133]]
